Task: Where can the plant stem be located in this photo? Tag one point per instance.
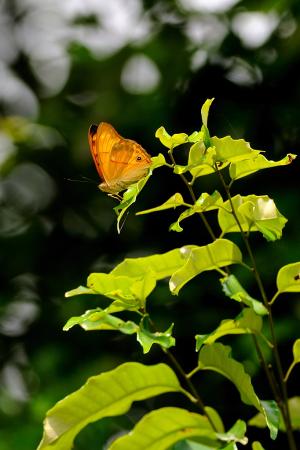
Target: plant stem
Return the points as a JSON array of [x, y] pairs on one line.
[[190, 385], [190, 189], [283, 403], [188, 382]]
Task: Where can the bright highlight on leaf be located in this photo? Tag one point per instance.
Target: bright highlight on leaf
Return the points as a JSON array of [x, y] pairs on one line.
[[109, 394]]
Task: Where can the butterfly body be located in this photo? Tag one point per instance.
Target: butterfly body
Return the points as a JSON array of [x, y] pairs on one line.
[[119, 161]]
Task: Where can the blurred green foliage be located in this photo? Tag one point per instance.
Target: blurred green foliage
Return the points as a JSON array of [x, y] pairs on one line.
[[138, 65]]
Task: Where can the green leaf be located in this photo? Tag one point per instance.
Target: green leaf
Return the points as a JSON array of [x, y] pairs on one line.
[[99, 319], [201, 161], [171, 141], [232, 150], [247, 322], [79, 291], [257, 446], [233, 289], [220, 253], [205, 110], [173, 202], [130, 195], [255, 213], [161, 428], [204, 203], [147, 338], [131, 293], [231, 446], [236, 433], [272, 416], [192, 445], [294, 406], [217, 357], [109, 394], [196, 136], [215, 418], [204, 114], [296, 358], [288, 278], [160, 265], [296, 351], [241, 169]]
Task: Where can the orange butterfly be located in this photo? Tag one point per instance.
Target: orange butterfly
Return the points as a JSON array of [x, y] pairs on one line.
[[119, 161]]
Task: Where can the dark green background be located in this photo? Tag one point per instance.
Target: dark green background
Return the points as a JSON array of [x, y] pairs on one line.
[[61, 67]]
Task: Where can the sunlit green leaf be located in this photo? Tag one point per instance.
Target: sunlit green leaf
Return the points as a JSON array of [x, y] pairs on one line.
[[109, 394], [79, 291], [255, 213], [294, 407], [160, 265], [173, 202], [188, 444], [171, 141], [215, 418], [205, 110], [288, 278], [236, 433], [204, 203], [247, 322], [231, 446], [257, 446], [99, 319], [233, 289], [296, 351], [130, 195], [232, 150], [271, 414], [217, 357], [196, 136], [132, 292], [161, 428], [147, 338], [220, 253], [241, 169]]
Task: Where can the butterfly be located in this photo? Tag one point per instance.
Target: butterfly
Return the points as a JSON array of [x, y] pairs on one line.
[[119, 161]]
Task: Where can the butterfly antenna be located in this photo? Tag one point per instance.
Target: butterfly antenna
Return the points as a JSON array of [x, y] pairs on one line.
[[83, 180]]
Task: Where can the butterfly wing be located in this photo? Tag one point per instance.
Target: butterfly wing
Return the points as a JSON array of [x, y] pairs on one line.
[[119, 161]]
